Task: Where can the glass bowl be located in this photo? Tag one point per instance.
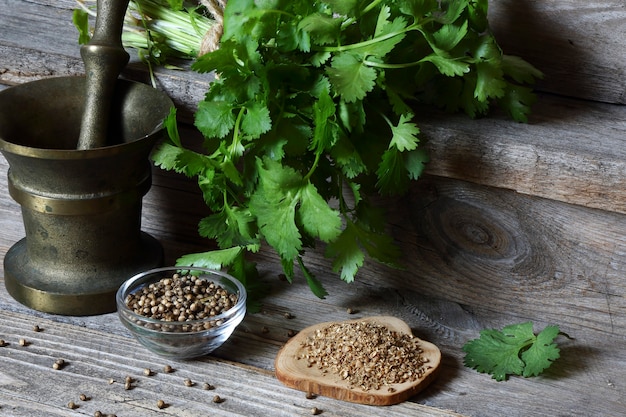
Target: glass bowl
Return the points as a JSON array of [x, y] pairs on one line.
[[180, 337]]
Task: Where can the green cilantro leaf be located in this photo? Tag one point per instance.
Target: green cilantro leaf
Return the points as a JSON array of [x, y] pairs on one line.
[[542, 352], [274, 204], [314, 284], [215, 259], [520, 70], [350, 77], [318, 219], [80, 18], [405, 134], [448, 66], [489, 81], [515, 350], [256, 120], [214, 118], [517, 101], [348, 255]]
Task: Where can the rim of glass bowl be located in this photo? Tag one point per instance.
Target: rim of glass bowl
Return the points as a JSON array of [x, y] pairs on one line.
[[241, 299]]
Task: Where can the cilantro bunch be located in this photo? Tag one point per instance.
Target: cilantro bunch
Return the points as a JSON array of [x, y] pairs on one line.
[[312, 112]]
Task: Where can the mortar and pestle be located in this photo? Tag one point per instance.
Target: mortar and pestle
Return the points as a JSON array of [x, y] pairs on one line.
[[78, 152]]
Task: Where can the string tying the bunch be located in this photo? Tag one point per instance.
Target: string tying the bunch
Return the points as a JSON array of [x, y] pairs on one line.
[[211, 39]]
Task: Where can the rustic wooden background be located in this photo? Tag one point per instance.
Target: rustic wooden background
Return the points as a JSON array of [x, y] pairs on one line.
[[513, 222]]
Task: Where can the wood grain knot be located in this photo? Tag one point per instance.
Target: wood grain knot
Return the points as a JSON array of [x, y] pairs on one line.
[[479, 235]]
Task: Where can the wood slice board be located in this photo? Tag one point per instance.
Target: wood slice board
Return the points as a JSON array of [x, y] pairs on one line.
[[295, 373]]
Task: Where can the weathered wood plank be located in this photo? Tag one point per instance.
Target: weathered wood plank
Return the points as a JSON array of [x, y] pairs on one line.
[[572, 151], [498, 251], [578, 44], [31, 387]]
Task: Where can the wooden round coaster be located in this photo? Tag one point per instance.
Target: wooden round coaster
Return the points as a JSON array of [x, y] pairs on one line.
[[295, 373]]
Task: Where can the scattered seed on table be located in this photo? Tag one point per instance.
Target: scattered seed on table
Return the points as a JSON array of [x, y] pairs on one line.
[[188, 382], [128, 385], [168, 369], [72, 405], [58, 364], [350, 311], [207, 386], [36, 328], [288, 315], [316, 411], [3, 343], [310, 396], [161, 404], [147, 372], [111, 381], [83, 397], [98, 413], [217, 399], [291, 333], [23, 342], [129, 379]]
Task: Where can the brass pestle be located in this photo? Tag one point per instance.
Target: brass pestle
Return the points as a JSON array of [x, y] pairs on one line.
[[104, 58]]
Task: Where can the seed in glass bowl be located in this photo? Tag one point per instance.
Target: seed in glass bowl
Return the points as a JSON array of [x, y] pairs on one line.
[[181, 298]]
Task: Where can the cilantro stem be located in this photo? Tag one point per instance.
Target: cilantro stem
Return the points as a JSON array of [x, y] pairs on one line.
[[313, 167], [236, 136], [369, 42], [391, 66], [365, 10]]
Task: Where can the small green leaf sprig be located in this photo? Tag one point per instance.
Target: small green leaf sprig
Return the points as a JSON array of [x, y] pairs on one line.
[[312, 112], [514, 350]]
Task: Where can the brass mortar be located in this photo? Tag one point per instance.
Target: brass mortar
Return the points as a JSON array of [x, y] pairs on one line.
[[78, 149]]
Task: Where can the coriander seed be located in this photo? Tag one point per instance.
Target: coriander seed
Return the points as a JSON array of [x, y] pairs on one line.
[[217, 399], [97, 413], [128, 385], [36, 328], [181, 298], [3, 343], [365, 354], [58, 364], [83, 397], [72, 405], [111, 381], [291, 333], [310, 396], [22, 342], [207, 386], [147, 372], [188, 382], [316, 411], [288, 315], [161, 404], [168, 369]]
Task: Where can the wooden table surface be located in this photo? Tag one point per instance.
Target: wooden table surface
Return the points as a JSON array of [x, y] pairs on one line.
[[479, 254]]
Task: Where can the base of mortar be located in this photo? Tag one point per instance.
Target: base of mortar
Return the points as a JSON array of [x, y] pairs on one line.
[[30, 291]]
